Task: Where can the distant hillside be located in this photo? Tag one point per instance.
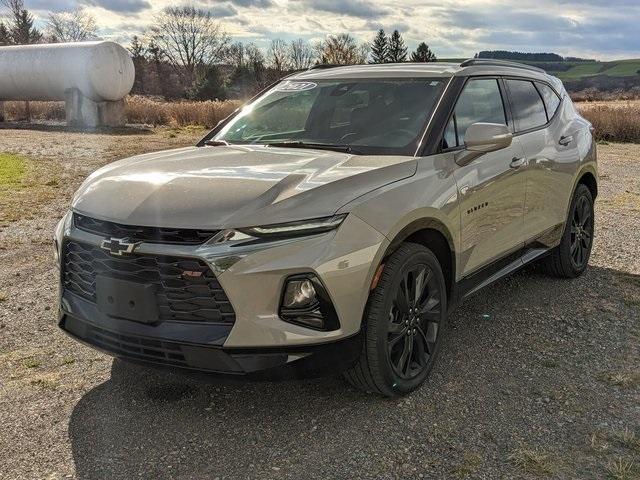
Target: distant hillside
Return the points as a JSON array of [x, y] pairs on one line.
[[520, 56], [578, 74]]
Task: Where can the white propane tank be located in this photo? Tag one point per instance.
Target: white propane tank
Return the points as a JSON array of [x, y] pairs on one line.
[[100, 71]]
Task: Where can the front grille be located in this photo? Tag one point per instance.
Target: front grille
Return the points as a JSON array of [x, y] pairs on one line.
[[177, 236], [136, 347], [179, 297]]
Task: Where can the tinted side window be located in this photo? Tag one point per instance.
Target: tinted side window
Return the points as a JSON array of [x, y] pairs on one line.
[[527, 105], [480, 101], [551, 99], [450, 140]]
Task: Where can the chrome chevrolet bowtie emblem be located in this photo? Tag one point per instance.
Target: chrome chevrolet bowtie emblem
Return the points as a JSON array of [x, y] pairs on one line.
[[118, 246]]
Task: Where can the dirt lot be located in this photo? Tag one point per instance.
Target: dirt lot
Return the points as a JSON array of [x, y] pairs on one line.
[[538, 378]]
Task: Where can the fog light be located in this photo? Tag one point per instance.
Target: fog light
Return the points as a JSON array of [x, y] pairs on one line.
[[299, 294], [306, 302]]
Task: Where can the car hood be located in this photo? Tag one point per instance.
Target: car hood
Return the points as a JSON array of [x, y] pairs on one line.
[[233, 186]]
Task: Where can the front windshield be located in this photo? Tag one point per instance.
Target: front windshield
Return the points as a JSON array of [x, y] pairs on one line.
[[374, 116]]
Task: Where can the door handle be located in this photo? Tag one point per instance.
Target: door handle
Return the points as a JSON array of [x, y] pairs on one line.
[[565, 140], [517, 162]]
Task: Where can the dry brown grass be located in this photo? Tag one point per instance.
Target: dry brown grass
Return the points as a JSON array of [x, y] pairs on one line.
[[140, 110], [615, 123], [39, 110], [151, 111], [533, 461]]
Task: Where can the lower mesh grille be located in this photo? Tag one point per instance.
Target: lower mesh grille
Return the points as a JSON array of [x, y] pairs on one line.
[[136, 347], [186, 288]]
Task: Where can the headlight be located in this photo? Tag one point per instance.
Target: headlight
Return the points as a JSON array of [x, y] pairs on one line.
[[291, 229], [58, 235]]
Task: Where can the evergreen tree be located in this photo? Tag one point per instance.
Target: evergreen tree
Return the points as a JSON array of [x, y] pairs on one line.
[[209, 85], [22, 31], [423, 54], [136, 48], [397, 48], [5, 36], [380, 48]]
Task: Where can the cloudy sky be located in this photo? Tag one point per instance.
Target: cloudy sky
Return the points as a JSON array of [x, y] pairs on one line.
[[591, 28]]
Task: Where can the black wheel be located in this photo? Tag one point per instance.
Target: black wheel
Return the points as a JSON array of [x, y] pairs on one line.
[[570, 258], [404, 323]]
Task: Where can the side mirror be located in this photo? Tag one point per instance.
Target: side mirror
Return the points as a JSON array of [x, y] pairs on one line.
[[482, 138], [487, 137]]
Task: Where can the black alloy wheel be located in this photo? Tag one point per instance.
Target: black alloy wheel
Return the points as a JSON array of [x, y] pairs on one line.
[[403, 324], [571, 257], [414, 319], [581, 232]]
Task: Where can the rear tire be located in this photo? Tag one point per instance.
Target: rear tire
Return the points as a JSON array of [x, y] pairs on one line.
[[571, 257], [404, 322]]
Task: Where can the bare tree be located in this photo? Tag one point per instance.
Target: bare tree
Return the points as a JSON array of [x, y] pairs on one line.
[[188, 37], [235, 54], [278, 55], [74, 26], [342, 49], [255, 61], [301, 54]]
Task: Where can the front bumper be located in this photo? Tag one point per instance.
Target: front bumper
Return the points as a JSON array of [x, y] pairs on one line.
[[252, 277], [261, 363]]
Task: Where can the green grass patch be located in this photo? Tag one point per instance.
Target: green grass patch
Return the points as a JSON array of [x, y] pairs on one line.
[[580, 70], [625, 68], [12, 170]]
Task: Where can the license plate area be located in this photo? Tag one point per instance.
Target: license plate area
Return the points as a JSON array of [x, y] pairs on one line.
[[125, 299]]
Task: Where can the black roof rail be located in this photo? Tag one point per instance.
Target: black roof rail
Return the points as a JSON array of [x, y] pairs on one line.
[[322, 66], [499, 63]]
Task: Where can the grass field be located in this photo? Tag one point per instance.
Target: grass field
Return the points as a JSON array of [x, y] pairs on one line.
[[623, 68], [579, 70]]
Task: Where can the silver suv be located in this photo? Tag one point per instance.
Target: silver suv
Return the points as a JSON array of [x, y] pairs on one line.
[[332, 223]]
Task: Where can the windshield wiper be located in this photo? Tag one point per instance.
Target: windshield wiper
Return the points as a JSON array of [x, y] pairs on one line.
[[216, 143], [317, 146]]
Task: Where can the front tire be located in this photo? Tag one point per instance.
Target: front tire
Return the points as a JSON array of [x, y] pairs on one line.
[[404, 323], [571, 257]]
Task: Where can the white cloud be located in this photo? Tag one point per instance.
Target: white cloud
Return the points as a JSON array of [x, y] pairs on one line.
[[593, 28]]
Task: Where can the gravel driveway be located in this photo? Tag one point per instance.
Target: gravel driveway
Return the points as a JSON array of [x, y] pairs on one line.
[[539, 378]]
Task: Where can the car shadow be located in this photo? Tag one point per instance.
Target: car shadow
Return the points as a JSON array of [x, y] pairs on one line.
[[150, 424]]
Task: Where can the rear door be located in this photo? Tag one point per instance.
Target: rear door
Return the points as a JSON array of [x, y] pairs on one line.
[[550, 155], [491, 187]]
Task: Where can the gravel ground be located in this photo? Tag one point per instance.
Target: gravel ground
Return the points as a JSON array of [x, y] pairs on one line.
[[539, 378]]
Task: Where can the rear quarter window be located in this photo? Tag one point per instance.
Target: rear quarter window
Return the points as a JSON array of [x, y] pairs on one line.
[[526, 103], [551, 99]]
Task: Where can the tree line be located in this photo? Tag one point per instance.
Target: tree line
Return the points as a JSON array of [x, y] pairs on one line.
[[527, 57], [186, 53]]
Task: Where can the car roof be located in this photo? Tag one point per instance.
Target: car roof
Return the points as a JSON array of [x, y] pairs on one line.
[[432, 69]]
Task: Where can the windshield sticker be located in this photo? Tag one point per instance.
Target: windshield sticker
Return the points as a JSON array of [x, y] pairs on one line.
[[289, 86]]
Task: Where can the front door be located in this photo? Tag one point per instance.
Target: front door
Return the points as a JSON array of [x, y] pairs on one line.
[[491, 188]]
